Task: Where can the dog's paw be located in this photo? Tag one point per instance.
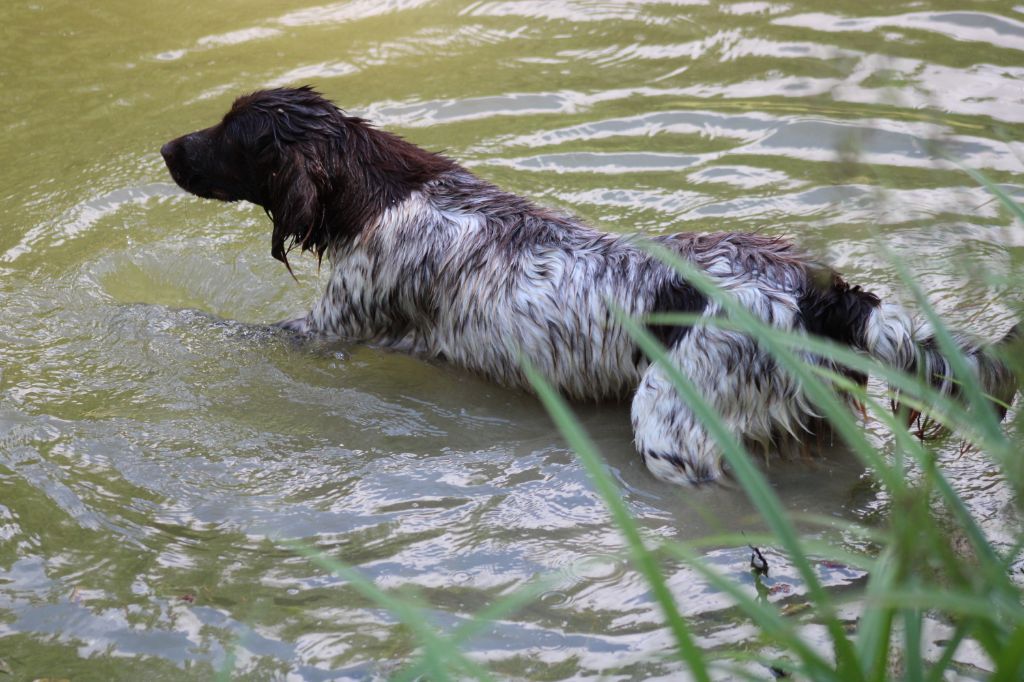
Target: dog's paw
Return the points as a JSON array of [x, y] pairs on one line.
[[297, 326]]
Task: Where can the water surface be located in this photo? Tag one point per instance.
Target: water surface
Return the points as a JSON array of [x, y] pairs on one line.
[[159, 447]]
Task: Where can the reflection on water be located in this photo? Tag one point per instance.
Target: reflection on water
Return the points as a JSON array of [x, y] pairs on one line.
[[158, 445]]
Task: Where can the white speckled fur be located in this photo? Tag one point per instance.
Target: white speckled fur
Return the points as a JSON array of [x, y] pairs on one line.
[[468, 273]]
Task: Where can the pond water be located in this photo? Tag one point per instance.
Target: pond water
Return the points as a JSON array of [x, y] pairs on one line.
[[159, 447]]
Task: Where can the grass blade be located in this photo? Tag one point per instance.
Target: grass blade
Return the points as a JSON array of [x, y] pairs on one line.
[[643, 559]]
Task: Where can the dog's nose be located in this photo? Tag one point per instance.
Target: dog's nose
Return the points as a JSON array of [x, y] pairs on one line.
[[167, 151]]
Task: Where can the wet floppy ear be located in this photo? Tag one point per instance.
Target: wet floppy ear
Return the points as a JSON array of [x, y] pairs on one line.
[[295, 203]]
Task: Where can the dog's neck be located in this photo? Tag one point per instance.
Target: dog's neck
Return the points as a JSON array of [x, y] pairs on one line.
[[367, 172]]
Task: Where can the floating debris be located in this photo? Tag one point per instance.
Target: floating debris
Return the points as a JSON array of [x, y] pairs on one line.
[[757, 561]]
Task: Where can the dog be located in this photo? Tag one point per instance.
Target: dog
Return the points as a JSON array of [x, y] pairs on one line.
[[428, 258]]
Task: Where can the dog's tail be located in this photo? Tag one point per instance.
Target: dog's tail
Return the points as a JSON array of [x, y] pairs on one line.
[[892, 335]]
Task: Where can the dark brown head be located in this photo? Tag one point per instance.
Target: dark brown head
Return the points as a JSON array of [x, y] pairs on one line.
[[319, 174]]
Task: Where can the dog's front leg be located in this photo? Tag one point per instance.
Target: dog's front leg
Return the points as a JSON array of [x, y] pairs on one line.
[[333, 316], [352, 306]]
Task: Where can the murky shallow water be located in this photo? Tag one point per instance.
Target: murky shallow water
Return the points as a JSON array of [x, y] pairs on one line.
[[157, 445]]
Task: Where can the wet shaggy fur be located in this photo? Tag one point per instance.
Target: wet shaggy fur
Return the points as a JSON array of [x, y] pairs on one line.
[[429, 258]]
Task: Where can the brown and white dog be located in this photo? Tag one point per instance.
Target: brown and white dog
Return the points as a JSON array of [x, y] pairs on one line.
[[425, 256]]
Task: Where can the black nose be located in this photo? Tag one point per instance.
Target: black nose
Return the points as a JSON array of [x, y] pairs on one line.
[[168, 150]]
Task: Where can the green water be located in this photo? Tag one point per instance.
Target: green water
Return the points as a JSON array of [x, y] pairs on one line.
[[158, 446]]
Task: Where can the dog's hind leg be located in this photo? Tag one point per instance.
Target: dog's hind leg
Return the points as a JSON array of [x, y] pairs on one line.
[[738, 380]]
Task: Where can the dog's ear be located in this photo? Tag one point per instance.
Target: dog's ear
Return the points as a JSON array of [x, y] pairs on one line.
[[296, 207]]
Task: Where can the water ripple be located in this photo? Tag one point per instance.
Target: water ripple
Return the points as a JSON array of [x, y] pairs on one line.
[[966, 26]]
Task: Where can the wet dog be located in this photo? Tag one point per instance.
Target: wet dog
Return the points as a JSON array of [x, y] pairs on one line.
[[427, 257]]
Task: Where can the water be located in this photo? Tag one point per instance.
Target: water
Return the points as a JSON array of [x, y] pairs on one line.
[[158, 446]]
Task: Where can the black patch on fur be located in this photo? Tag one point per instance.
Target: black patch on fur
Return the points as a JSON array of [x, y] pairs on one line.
[[697, 473], [675, 296], [832, 308]]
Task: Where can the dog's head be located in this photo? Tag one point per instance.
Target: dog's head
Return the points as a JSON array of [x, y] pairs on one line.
[[321, 175], [281, 149]]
